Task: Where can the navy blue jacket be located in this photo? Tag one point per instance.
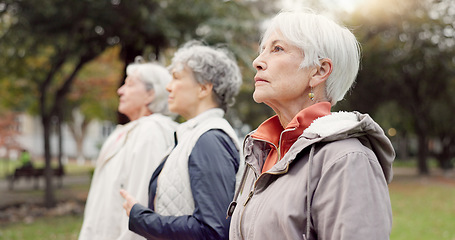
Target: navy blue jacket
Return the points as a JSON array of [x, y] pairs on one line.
[[212, 165]]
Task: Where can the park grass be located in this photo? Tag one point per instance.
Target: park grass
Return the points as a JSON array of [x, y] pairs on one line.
[[423, 209], [47, 228]]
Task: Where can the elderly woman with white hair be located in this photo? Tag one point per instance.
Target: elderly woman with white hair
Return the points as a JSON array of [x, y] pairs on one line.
[[310, 173], [192, 188], [131, 153]]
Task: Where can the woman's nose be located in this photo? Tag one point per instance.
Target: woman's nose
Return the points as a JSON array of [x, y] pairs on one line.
[[120, 90], [258, 63]]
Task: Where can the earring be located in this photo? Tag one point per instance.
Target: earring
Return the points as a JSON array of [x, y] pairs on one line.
[[311, 95]]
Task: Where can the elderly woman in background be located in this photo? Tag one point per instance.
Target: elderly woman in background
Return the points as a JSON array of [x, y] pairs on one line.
[[131, 153], [191, 190], [311, 174]]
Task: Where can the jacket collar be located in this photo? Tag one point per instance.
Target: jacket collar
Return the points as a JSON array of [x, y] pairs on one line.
[[271, 130], [336, 126], [194, 122], [117, 142]]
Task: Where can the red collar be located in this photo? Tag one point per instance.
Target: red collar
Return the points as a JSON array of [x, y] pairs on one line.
[[271, 129]]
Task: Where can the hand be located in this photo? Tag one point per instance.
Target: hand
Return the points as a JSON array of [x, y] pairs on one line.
[[130, 201]]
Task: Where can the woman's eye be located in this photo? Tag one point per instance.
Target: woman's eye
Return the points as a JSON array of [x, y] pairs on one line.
[[277, 49]]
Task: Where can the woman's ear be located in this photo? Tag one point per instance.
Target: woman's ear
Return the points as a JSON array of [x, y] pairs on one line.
[[150, 97], [205, 90], [321, 73]]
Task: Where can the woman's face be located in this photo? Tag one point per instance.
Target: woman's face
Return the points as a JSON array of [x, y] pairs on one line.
[[134, 98], [183, 93], [279, 81]]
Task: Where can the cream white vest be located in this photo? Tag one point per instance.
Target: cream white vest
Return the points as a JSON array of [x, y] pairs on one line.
[[173, 194]]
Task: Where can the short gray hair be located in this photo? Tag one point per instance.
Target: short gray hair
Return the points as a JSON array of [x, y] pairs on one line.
[[320, 37], [211, 65], [155, 77]]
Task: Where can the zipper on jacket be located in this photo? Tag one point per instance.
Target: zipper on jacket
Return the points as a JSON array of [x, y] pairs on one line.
[[278, 149], [249, 197], [279, 143]]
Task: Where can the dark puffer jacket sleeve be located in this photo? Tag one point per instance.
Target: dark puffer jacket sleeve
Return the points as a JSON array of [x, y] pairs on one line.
[[212, 165]]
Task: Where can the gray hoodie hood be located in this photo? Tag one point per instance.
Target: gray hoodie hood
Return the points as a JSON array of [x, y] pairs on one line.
[[338, 126], [343, 125]]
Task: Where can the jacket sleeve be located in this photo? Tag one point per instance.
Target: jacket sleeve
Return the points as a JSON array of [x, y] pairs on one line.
[[352, 200], [212, 165]]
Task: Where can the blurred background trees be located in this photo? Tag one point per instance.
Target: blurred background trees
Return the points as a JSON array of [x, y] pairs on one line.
[[46, 43], [408, 74], [64, 60]]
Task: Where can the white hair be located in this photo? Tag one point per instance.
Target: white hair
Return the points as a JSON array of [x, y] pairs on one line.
[[155, 77], [320, 37], [211, 65]]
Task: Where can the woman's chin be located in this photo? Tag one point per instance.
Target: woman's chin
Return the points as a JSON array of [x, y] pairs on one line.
[[121, 110], [257, 97], [172, 110]]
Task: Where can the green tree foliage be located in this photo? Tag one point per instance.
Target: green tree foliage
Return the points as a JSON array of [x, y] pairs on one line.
[[94, 95], [44, 44], [408, 60], [47, 43]]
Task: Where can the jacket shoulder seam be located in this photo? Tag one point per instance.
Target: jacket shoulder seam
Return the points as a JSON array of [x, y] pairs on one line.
[[345, 156]]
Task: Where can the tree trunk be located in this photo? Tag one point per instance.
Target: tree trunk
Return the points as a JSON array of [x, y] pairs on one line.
[[422, 154], [84, 126], [60, 139], [403, 153], [49, 197], [47, 111], [447, 152], [78, 128]]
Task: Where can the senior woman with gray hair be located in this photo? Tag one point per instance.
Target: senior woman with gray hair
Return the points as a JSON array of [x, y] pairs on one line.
[[311, 174], [131, 153], [192, 188]]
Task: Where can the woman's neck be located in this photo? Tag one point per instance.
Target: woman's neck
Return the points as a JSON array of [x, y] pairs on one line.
[[142, 113], [201, 107]]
